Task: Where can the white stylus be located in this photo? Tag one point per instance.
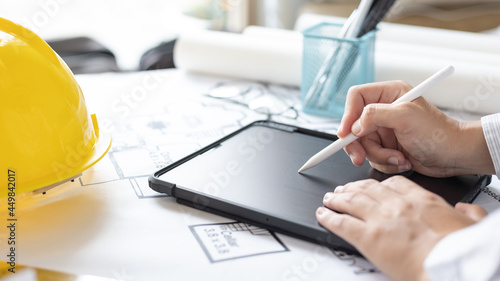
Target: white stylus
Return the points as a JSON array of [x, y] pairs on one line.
[[413, 94]]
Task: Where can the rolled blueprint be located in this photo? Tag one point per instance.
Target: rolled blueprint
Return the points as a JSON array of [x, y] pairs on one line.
[[390, 45], [273, 33], [275, 56], [236, 55], [473, 87]]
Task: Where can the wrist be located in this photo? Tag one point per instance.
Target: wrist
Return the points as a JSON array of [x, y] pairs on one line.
[[473, 156]]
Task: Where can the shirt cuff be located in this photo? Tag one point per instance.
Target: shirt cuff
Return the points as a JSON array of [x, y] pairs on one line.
[[491, 131], [472, 253]]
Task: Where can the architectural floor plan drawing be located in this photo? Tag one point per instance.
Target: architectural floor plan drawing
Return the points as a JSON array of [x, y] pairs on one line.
[[226, 241]]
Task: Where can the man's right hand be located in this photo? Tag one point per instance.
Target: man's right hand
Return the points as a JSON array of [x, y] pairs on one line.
[[410, 135]]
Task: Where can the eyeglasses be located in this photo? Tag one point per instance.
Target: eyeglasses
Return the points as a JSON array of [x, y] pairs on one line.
[[266, 99]]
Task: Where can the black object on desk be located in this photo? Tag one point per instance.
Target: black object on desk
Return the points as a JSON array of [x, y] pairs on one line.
[[159, 57], [85, 55], [251, 176]]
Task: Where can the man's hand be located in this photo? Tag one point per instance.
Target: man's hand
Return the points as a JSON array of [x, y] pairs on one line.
[[394, 223], [413, 135]]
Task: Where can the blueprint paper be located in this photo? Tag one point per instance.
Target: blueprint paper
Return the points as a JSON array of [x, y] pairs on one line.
[[109, 223]]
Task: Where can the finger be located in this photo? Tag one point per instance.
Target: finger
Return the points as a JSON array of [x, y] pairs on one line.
[[356, 204], [404, 186], [354, 198], [345, 226], [475, 212], [392, 169], [363, 186], [389, 192], [390, 161], [359, 96], [360, 198], [397, 117], [356, 152], [387, 158], [387, 138], [353, 108]]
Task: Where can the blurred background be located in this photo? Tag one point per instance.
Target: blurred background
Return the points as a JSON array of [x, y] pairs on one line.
[[129, 28]]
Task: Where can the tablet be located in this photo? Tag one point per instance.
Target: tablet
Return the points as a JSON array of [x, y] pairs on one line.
[[251, 176]]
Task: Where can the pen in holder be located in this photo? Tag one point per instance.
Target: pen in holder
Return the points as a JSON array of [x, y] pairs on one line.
[[331, 65]]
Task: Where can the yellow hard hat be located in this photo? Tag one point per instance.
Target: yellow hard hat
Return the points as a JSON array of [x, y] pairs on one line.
[[47, 136]]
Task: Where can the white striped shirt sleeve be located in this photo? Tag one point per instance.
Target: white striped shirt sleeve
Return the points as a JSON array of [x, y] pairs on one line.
[[491, 130]]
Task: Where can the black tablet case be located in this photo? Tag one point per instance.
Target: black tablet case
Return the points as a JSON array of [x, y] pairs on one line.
[[251, 176]]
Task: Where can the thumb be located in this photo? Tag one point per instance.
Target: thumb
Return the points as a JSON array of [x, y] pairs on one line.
[[474, 212]]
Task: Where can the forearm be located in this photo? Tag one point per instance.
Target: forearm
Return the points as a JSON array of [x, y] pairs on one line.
[[472, 154]]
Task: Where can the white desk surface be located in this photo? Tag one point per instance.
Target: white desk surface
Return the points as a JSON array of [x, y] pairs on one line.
[[110, 223]]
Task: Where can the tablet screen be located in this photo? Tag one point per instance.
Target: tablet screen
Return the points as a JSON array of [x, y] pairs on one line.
[[257, 169]]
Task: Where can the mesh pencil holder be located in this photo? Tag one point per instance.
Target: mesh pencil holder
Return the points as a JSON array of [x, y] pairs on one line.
[[331, 65]]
